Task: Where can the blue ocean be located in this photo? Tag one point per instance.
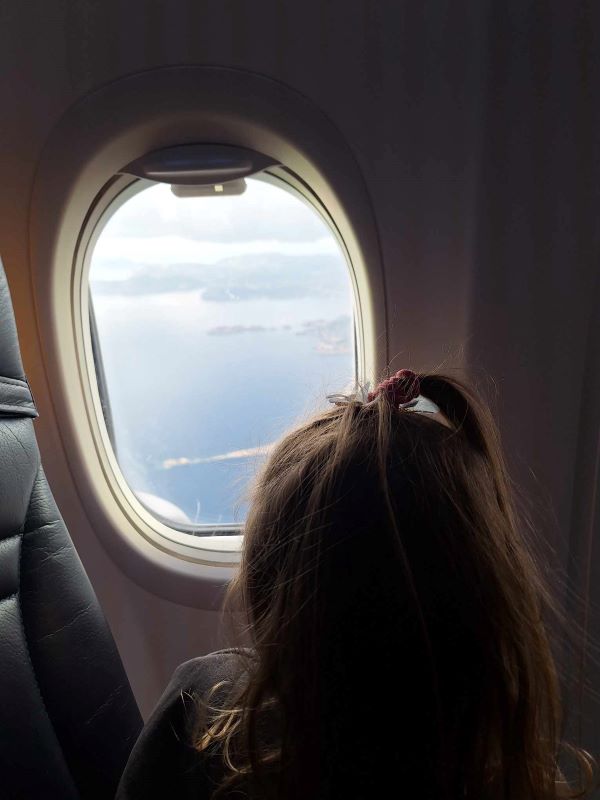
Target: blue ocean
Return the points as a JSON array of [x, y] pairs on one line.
[[198, 388]]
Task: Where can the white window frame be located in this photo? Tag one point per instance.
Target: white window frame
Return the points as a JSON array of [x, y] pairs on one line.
[[223, 541], [77, 177]]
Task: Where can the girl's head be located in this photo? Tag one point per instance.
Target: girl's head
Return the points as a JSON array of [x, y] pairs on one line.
[[396, 613]]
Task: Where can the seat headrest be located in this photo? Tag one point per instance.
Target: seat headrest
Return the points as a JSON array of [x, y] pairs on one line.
[[15, 395]]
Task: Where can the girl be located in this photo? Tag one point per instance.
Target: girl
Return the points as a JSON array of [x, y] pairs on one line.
[[396, 618]]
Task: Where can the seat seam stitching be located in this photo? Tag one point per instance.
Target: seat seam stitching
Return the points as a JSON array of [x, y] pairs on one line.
[[9, 539], [37, 685], [26, 643], [23, 631]]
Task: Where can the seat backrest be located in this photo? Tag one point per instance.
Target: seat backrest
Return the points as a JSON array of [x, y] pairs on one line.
[[68, 718]]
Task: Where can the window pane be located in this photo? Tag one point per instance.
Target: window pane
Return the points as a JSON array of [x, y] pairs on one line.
[[220, 322]]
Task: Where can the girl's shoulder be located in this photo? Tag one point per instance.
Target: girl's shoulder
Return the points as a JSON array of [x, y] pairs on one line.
[[164, 761], [200, 675]]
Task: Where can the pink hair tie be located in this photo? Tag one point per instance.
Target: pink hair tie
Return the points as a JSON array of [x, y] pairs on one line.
[[403, 387], [402, 390]]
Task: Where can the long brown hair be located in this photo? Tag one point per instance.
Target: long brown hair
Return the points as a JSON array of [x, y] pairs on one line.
[[397, 617]]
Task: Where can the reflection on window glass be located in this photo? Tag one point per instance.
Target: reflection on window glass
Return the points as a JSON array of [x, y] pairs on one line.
[[220, 321]]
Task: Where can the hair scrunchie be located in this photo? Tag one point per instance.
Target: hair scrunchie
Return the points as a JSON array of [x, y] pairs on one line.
[[401, 388]]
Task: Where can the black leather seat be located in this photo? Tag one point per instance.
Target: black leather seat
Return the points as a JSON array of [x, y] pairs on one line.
[[68, 718]]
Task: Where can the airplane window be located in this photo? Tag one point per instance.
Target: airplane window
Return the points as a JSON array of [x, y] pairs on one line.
[[217, 322]]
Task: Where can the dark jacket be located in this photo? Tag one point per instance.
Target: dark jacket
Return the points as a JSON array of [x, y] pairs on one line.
[[163, 764]]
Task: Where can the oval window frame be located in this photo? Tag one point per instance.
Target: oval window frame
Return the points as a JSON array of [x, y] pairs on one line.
[[223, 541], [91, 142]]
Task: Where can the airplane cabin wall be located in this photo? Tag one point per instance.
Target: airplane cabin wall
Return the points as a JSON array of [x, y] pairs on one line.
[[475, 127]]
